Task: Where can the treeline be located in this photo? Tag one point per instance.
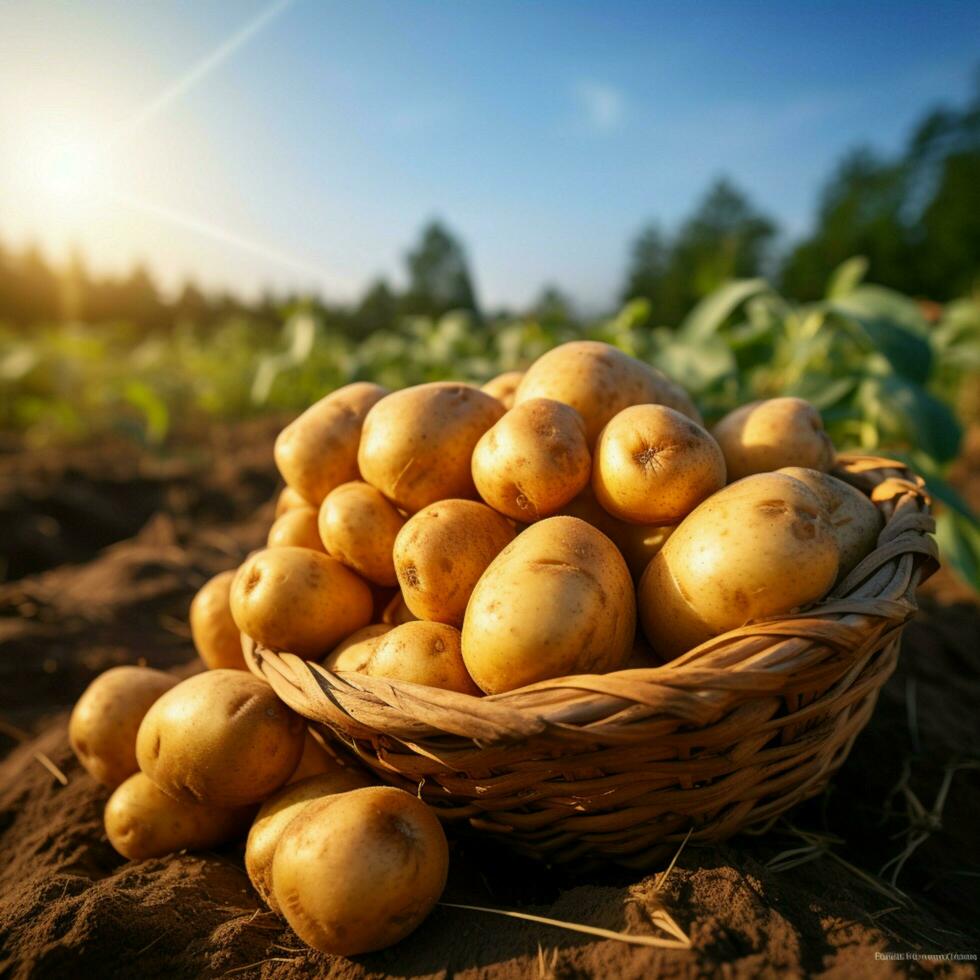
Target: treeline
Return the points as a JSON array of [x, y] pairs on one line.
[[915, 217]]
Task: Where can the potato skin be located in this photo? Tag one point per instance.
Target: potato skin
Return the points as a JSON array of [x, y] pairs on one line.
[[104, 722], [768, 435], [442, 551], [216, 637], [358, 527], [297, 528], [556, 601], [354, 653], [314, 760], [761, 547], [318, 450], [503, 387], [288, 499], [533, 461], [141, 821], [654, 465], [599, 381], [276, 814], [422, 653], [417, 442], [855, 520], [359, 871], [220, 738], [397, 611], [299, 600]]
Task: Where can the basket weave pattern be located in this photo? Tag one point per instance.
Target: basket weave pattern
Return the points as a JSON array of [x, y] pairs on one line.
[[616, 767]]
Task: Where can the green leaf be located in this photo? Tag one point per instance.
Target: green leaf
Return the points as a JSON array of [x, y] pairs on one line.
[[154, 408], [708, 316], [847, 277], [959, 546], [926, 422]]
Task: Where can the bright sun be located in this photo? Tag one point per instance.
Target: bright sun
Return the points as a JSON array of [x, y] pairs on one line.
[[70, 171]]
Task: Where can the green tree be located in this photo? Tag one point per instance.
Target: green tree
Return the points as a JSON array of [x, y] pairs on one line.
[[438, 275], [378, 309]]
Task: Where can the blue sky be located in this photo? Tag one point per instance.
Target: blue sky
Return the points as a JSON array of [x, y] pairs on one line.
[[546, 133]]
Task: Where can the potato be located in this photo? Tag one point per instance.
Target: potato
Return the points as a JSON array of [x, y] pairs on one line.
[[358, 871], [421, 653], [442, 551], [768, 435], [533, 461], [141, 821], [221, 738], [654, 465], [216, 637], [288, 499], [299, 600], [104, 722], [314, 760], [503, 387], [397, 611], [354, 652], [276, 814], [855, 520], [358, 527], [417, 443], [599, 381], [763, 546], [297, 528], [318, 450], [558, 600]]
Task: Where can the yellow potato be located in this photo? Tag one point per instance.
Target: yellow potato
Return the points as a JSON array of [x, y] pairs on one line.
[[421, 653], [533, 461], [397, 611], [216, 637], [768, 435], [654, 465], [279, 811], [104, 722], [318, 450], [288, 499], [299, 600], [558, 600], [855, 520], [442, 551], [599, 381], [141, 821], [417, 443], [763, 546], [221, 738], [297, 528], [314, 760], [354, 652], [358, 526], [503, 387], [359, 871]]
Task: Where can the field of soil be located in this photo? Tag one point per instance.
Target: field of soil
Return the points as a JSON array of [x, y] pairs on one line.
[[103, 549]]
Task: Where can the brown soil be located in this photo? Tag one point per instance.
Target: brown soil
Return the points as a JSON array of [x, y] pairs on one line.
[[105, 548]]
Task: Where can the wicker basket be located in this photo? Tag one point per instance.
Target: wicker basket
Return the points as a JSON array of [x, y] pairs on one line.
[[616, 767]]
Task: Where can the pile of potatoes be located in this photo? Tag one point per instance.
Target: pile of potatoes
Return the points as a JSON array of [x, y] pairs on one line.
[[577, 518]]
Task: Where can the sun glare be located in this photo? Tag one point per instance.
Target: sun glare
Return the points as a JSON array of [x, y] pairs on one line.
[[70, 171]]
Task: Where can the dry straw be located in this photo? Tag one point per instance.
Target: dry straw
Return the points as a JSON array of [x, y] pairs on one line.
[[619, 767]]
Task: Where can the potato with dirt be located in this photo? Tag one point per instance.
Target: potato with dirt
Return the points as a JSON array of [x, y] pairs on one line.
[[421, 653], [104, 722], [354, 653], [442, 551], [503, 387], [318, 450], [417, 443], [356, 872], [297, 528], [217, 638], [558, 600], [299, 601], [221, 738], [533, 461]]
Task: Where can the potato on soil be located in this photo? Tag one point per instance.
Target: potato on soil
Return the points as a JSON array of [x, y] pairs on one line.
[[654, 465], [276, 814], [503, 387], [318, 450], [297, 528], [763, 546], [417, 443], [556, 601], [769, 435], [141, 821], [354, 653], [220, 738], [299, 600], [421, 653], [533, 461], [104, 722], [359, 871], [288, 499], [216, 637], [358, 527], [442, 551], [599, 381]]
